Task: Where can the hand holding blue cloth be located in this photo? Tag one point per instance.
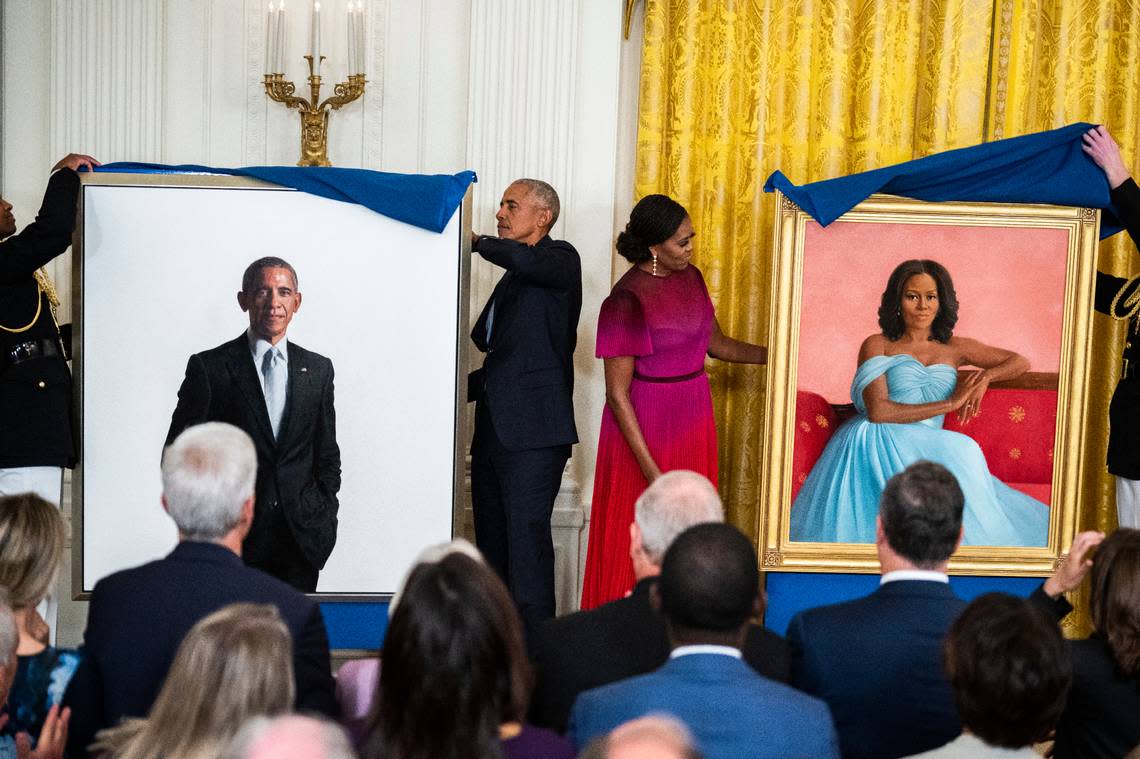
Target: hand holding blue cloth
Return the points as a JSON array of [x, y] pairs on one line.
[[1046, 167]]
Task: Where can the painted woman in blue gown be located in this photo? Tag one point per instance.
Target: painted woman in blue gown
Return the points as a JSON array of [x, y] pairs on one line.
[[906, 381]]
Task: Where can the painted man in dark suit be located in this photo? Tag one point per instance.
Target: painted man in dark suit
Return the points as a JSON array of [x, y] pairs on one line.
[[524, 417], [708, 590], [35, 385], [627, 637], [282, 395], [138, 617], [876, 660]]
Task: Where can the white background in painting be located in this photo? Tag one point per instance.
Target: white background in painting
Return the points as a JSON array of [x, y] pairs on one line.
[[161, 269]]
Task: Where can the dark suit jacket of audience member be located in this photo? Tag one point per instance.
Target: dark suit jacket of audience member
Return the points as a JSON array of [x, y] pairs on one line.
[[138, 617], [877, 662], [1102, 714], [618, 640]]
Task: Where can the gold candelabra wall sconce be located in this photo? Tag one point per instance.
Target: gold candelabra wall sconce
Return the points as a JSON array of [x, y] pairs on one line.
[[313, 111]]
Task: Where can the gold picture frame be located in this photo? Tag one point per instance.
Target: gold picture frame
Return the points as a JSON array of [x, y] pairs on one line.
[[955, 233]]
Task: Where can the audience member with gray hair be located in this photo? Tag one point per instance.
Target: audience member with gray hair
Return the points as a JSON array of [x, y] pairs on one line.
[[291, 736], [657, 736], [708, 590], [627, 637], [138, 617], [53, 736]]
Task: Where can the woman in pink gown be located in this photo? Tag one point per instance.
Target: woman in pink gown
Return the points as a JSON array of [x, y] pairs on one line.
[[654, 332]]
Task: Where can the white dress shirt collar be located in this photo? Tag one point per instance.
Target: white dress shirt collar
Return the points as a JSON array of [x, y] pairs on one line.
[[706, 648], [259, 345], [927, 575]]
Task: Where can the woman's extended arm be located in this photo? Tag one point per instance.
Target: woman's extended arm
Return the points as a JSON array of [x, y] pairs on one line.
[[619, 377], [997, 364], [882, 410], [737, 351]]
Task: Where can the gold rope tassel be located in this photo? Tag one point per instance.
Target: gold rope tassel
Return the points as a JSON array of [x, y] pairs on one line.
[[44, 286]]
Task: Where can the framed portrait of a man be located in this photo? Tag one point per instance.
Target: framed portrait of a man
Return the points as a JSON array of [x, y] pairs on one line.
[[949, 332]]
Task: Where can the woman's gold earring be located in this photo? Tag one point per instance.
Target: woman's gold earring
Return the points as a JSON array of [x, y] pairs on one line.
[[655, 264]]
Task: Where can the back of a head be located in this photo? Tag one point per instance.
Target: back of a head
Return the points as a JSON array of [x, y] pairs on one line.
[[921, 513], [291, 736], [1009, 669], [453, 664], [657, 736], [709, 580], [9, 641], [208, 473], [432, 554], [233, 664], [1115, 601], [31, 546], [675, 501]]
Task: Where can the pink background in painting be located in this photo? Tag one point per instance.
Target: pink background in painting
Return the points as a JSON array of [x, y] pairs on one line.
[[1010, 283]]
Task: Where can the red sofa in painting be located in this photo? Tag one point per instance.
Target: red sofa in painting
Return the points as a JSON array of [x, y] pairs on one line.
[[1015, 430]]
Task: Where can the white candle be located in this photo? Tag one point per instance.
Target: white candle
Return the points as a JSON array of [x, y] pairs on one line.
[[351, 40], [360, 38], [315, 40], [270, 41], [281, 38]]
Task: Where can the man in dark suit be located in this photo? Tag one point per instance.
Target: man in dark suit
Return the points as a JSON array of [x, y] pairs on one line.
[[282, 395], [524, 417], [876, 660], [708, 589], [35, 385], [1120, 298], [138, 617], [627, 637]]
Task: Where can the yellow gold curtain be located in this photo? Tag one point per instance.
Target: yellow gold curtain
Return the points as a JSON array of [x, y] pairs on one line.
[[734, 89]]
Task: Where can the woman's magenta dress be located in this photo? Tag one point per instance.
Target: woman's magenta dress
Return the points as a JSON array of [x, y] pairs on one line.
[[665, 323]]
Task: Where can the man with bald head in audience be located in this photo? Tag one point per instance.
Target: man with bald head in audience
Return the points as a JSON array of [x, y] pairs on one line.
[[876, 661], [138, 617], [627, 637], [708, 589]]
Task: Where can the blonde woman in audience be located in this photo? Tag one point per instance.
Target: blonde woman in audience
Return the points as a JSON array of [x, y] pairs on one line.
[[31, 547], [234, 664], [455, 678]]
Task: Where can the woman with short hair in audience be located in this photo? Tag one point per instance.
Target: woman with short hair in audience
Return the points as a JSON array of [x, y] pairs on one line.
[[31, 547], [455, 678], [1102, 717], [1007, 664], [234, 664]]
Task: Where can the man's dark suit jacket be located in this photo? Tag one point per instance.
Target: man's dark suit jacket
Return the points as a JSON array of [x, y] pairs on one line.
[[138, 617], [1102, 713], [877, 663], [35, 395], [527, 379], [1124, 410], [618, 640], [300, 472]]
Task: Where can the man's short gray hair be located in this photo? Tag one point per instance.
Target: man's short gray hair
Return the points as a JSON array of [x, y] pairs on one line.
[[310, 737], [208, 473], [9, 635], [544, 194], [675, 502]]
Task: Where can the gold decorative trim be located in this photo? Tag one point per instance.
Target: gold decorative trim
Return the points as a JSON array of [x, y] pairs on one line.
[[773, 558], [787, 204], [628, 20], [1089, 215]]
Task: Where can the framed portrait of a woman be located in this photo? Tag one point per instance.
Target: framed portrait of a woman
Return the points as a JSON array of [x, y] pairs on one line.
[[949, 332]]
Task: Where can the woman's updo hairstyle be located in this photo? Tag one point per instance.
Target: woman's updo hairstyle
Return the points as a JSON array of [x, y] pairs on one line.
[[653, 220]]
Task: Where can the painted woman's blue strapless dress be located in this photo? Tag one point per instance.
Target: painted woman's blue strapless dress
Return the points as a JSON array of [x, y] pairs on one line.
[[840, 498]]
